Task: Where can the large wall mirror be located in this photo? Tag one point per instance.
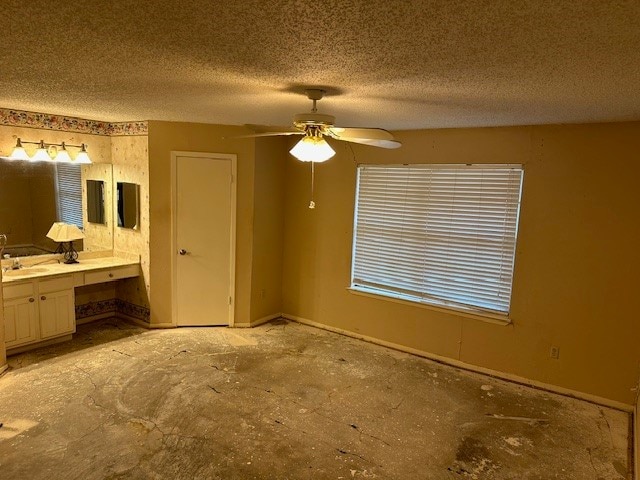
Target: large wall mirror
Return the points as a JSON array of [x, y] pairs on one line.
[[34, 195]]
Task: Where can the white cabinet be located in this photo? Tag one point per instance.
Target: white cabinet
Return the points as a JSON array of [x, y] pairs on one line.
[[42, 307], [20, 321], [57, 314], [38, 310]]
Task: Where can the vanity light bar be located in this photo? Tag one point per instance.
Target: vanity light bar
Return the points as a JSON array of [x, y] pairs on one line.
[[50, 152]]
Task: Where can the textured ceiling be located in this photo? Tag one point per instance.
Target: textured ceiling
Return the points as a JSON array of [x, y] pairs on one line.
[[389, 63]]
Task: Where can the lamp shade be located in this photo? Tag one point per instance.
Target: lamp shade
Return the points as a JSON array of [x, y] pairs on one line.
[[64, 232], [312, 149]]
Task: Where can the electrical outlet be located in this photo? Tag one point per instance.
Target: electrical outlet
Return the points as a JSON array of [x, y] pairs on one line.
[[554, 352]]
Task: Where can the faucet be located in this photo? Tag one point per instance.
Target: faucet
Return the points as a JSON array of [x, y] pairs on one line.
[[16, 264]]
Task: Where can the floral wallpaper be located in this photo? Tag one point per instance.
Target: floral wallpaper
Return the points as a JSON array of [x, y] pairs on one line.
[[20, 118]]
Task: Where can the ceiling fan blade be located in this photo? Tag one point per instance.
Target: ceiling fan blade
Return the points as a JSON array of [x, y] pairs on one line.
[[376, 137], [267, 134], [373, 142]]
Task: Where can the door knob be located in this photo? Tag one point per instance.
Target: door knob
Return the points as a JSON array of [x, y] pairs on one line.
[[182, 251]]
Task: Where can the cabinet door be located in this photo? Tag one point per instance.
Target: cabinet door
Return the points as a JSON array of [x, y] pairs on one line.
[[20, 321], [57, 314]]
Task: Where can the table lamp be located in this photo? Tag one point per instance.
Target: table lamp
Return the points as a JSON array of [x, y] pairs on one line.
[[66, 233]]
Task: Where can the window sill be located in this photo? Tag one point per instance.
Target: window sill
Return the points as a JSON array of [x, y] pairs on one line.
[[484, 317]]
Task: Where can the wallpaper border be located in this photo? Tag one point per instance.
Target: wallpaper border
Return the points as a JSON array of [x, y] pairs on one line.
[[47, 121]]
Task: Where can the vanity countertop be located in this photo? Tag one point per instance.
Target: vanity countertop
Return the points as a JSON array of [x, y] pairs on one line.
[[52, 268]]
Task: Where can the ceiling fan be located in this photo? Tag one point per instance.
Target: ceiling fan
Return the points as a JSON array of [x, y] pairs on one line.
[[314, 126]]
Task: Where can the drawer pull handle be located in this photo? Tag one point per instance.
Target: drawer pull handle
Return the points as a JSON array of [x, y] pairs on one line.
[[32, 299], [111, 275], [43, 297]]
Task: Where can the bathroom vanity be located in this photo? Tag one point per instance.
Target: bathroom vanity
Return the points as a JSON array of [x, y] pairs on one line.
[[39, 299]]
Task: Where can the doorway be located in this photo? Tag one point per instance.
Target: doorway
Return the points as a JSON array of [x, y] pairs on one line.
[[203, 238]]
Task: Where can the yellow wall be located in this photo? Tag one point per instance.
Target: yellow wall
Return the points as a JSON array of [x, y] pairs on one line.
[[259, 214], [165, 137], [268, 227], [577, 259], [130, 156]]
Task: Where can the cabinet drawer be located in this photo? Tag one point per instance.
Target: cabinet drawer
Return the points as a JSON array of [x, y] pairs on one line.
[[55, 284], [111, 274], [17, 290]]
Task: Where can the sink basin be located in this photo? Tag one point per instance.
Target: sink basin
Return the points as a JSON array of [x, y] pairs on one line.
[[23, 272]]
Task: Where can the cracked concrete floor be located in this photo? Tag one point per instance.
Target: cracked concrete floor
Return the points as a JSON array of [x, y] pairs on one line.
[[283, 401]]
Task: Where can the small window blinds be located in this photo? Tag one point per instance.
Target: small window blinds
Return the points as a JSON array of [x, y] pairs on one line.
[[438, 234], [69, 193]]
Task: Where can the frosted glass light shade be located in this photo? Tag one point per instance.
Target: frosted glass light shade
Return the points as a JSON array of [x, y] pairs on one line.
[[64, 232], [19, 153], [41, 154], [83, 156], [63, 156], [312, 149]]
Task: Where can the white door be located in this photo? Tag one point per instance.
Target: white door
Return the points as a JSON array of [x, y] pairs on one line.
[[203, 223]]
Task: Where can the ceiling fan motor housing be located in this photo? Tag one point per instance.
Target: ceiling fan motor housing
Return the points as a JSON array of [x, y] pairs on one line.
[[303, 120]]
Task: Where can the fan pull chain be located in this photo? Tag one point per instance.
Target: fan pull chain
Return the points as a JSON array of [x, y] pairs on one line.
[[312, 204]]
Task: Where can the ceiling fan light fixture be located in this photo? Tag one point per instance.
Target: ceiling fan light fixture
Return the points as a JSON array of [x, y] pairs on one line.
[[312, 149]]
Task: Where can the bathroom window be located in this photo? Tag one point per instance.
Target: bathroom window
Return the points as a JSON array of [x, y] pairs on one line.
[[441, 235], [69, 193]]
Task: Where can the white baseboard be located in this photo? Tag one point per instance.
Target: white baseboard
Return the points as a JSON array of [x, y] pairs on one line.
[[157, 325], [467, 366], [260, 321], [140, 323]]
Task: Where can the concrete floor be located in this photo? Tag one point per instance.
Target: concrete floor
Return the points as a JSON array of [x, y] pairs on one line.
[[284, 401]]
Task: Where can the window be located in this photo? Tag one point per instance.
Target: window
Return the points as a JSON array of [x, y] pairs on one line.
[[438, 234], [69, 193]]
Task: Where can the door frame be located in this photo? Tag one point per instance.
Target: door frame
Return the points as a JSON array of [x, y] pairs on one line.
[[174, 233]]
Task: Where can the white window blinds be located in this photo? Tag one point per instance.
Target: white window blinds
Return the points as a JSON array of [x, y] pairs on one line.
[[438, 234], [69, 193]]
